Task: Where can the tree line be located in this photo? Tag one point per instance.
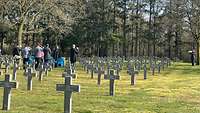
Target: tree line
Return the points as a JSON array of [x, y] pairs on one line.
[[105, 27]]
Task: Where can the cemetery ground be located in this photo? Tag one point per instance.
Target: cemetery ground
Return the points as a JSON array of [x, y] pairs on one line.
[[175, 90]]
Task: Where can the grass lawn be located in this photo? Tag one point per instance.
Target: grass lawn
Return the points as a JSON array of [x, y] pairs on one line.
[[175, 90]]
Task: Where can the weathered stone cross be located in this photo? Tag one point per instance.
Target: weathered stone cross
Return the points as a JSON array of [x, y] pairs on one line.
[[68, 72], [100, 71], [7, 85], [145, 71], [133, 76], [112, 79], [14, 77], [41, 69], [68, 88], [29, 79]]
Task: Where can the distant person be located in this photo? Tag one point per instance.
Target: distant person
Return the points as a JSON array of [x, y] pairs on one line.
[[16, 53], [38, 55], [73, 54], [26, 54], [47, 53], [192, 57], [55, 54]]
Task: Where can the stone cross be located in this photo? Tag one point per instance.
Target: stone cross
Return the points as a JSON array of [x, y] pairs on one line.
[[100, 71], [163, 64], [117, 68], [26, 65], [92, 71], [133, 76], [14, 77], [7, 64], [153, 69], [73, 72], [29, 79], [108, 71], [68, 72], [112, 79], [53, 64], [40, 72], [145, 71], [84, 65], [159, 65], [7, 85], [46, 67], [87, 68], [68, 88], [34, 72]]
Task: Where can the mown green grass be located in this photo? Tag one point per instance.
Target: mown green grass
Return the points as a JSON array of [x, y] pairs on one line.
[[175, 90]]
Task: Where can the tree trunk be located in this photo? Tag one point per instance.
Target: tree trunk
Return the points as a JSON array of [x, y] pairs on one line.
[[137, 28], [114, 29], [154, 30], [176, 45], [197, 49], [132, 36], [124, 30], [140, 47], [169, 45], [150, 27], [20, 33]]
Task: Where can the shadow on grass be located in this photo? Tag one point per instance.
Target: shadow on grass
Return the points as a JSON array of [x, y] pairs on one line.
[[85, 111]]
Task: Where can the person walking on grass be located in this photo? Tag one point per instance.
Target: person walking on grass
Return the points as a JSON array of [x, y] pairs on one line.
[[73, 55], [16, 53], [38, 55], [47, 54], [26, 54]]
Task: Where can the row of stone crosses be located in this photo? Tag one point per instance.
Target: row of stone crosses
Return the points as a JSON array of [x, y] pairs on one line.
[[30, 72], [110, 67]]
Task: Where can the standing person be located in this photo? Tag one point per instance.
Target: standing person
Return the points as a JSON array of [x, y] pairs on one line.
[[55, 54], [16, 53], [73, 54], [38, 55], [47, 54], [26, 53]]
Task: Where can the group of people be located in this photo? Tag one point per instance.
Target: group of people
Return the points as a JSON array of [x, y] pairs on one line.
[[42, 54], [39, 53]]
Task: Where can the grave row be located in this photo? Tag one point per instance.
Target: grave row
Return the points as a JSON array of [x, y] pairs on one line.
[[111, 67], [30, 71]]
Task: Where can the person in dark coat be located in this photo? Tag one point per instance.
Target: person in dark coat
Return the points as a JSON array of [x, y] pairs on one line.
[[73, 54], [55, 54], [47, 53], [16, 51]]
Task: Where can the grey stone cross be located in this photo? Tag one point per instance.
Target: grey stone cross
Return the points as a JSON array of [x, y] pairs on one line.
[[68, 72], [41, 69], [100, 71], [133, 76], [14, 77], [112, 79], [7, 85], [68, 89], [145, 71], [29, 79]]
